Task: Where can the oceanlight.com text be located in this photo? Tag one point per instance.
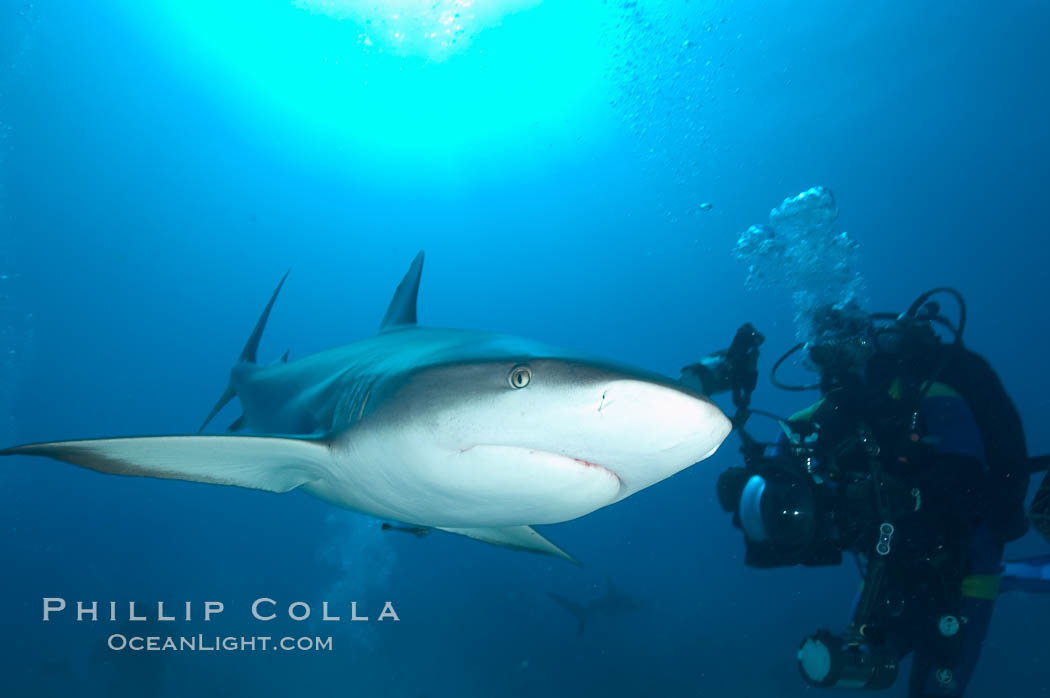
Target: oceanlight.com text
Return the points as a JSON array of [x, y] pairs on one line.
[[216, 643]]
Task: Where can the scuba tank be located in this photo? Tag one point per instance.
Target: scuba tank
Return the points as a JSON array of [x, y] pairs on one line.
[[908, 345], [1002, 433], [915, 343]]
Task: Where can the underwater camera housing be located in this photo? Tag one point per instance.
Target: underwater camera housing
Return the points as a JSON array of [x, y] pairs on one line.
[[784, 513], [793, 510]]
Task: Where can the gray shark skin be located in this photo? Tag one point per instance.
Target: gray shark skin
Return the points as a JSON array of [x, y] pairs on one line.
[[612, 603], [478, 434]]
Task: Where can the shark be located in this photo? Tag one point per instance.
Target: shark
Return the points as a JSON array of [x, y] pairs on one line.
[[473, 433], [612, 603]]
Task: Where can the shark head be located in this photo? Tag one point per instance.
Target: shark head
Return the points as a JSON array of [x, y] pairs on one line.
[[484, 430], [536, 436]]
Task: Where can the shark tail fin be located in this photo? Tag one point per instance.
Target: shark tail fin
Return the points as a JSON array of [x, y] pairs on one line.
[[248, 354], [576, 609], [251, 347]]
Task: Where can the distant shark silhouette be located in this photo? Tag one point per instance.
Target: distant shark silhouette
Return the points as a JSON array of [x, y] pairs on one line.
[[613, 603], [469, 432]]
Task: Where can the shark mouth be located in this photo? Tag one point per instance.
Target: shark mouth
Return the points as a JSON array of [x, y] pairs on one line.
[[589, 464], [549, 459]]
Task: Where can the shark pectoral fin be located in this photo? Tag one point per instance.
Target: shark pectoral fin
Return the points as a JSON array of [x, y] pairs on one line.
[[272, 464], [519, 537]]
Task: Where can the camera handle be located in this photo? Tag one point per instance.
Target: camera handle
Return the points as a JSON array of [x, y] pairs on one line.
[[860, 658], [874, 587], [875, 578]]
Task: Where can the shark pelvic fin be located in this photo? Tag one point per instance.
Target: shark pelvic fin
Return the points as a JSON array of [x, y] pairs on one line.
[[402, 309], [238, 424], [518, 537], [248, 354], [271, 464]]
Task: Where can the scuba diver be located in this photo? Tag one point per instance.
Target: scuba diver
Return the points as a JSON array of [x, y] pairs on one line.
[[914, 461]]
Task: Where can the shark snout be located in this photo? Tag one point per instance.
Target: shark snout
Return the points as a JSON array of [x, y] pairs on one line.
[[654, 430]]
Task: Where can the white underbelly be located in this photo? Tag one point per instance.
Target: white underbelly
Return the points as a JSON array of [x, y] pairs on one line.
[[482, 486]]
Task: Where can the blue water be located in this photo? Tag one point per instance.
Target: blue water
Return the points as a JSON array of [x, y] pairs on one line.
[[163, 166]]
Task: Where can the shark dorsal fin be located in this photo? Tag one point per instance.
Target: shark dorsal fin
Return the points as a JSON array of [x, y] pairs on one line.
[[402, 310]]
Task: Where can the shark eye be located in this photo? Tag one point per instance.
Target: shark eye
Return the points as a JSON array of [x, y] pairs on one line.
[[519, 377]]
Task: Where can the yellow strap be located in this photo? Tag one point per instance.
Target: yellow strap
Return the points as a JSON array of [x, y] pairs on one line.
[[941, 390], [981, 586], [935, 390], [895, 389], [806, 415]]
